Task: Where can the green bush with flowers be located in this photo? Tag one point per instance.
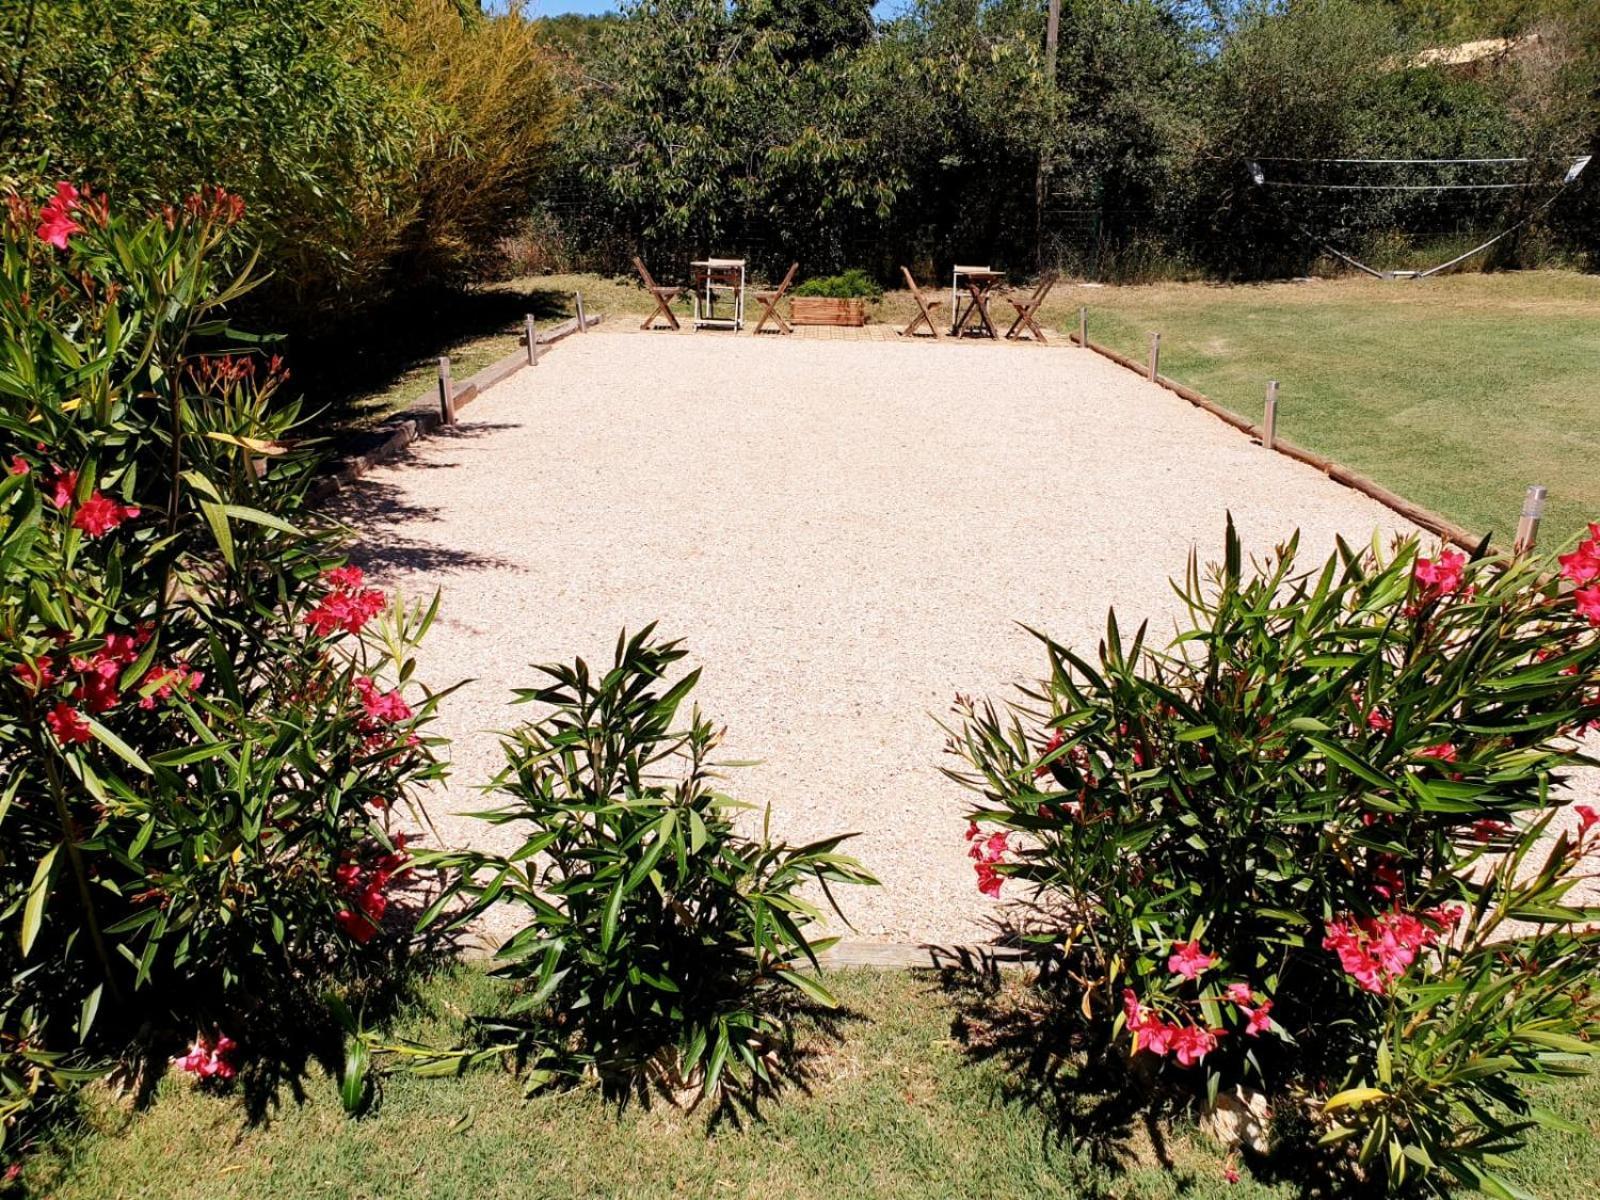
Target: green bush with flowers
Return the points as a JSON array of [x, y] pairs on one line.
[[1317, 848], [206, 719]]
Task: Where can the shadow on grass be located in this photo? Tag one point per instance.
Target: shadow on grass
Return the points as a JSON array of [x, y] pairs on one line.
[[790, 1061], [1112, 1114], [1095, 1105], [285, 1033], [336, 365]]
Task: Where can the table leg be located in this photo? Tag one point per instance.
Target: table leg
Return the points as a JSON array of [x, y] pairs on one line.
[[980, 299]]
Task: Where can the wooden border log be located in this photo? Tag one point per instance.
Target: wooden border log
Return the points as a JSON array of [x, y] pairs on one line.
[[1423, 518]]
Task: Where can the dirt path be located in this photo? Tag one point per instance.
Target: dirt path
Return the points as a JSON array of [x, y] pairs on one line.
[[845, 533]]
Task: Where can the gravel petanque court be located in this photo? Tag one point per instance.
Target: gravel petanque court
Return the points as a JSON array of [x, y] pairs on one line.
[[845, 533]]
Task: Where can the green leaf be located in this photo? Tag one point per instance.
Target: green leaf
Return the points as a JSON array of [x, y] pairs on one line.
[[119, 747], [38, 891]]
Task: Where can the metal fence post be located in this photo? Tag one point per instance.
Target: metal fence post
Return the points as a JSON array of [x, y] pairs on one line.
[[1155, 356], [1269, 422], [532, 335], [447, 395], [1083, 326], [1532, 514], [583, 322]]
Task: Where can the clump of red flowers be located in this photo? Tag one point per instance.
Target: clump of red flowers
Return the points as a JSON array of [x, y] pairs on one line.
[[99, 515], [1375, 951], [208, 1059], [1189, 1042], [987, 854], [1442, 576], [348, 604], [68, 725], [96, 516], [56, 224], [366, 887]]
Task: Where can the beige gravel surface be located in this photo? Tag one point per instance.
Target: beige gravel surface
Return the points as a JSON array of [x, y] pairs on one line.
[[845, 533]]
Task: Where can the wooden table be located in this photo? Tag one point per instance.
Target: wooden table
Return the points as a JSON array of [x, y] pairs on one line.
[[980, 281], [709, 276]]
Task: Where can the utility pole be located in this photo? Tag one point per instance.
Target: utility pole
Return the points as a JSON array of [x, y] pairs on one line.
[[1052, 39]]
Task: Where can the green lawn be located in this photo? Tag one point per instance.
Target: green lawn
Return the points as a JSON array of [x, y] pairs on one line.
[[1456, 392], [896, 1104]]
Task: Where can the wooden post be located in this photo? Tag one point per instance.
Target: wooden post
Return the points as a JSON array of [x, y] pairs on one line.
[[1532, 514], [583, 322], [532, 336], [447, 395], [1083, 326], [1269, 422], [1155, 356]]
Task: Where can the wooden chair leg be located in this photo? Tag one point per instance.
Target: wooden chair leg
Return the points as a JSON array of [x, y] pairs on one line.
[[773, 314], [663, 309]]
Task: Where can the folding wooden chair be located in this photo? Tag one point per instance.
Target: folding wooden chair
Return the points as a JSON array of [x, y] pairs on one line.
[[664, 296], [770, 301], [926, 303], [1028, 310]]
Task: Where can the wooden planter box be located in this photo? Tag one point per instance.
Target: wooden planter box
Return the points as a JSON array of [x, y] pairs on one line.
[[820, 310]]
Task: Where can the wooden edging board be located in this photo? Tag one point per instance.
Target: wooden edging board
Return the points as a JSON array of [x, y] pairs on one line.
[[1422, 517], [359, 454]]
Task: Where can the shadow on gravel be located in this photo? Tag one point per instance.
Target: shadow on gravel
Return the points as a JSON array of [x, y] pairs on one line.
[[387, 523]]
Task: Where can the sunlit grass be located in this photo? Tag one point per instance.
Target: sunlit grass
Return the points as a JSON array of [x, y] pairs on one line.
[[895, 1106]]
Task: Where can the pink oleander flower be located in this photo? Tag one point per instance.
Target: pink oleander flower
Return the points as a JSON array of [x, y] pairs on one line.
[[1191, 1044], [1441, 576], [1588, 817], [1057, 740], [1582, 565], [1375, 951], [1387, 879], [1379, 722], [35, 676], [19, 465], [1587, 601], [1258, 1020], [347, 606], [1189, 960], [98, 515], [68, 725], [1241, 994], [1443, 752], [207, 1059], [55, 217], [387, 708], [1486, 829], [162, 683], [61, 487]]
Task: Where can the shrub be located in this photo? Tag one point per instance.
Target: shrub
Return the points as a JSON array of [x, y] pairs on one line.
[[379, 144], [198, 761], [854, 284], [1311, 845], [663, 947]]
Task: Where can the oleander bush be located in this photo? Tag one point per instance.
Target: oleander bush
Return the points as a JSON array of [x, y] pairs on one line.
[[663, 948], [204, 729], [1315, 848]]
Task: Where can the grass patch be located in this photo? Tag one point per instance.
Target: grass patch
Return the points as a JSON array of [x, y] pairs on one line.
[[1457, 392], [896, 1106]]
